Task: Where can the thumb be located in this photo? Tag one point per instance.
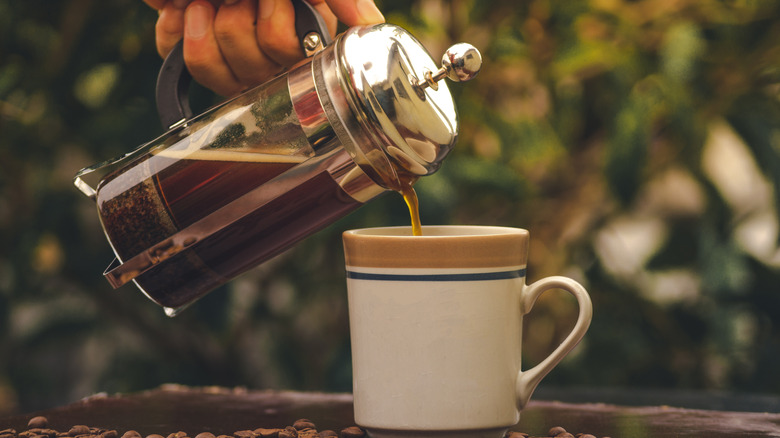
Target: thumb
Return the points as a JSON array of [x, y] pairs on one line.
[[356, 12]]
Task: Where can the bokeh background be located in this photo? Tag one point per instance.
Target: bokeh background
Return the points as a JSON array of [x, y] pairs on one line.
[[639, 141]]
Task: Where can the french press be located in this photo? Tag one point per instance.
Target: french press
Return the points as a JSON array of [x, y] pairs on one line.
[[221, 192]]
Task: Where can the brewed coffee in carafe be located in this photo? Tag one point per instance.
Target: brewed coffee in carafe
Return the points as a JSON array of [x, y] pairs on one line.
[[222, 192]]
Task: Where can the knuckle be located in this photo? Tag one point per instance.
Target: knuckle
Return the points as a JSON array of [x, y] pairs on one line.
[[225, 30], [284, 51]]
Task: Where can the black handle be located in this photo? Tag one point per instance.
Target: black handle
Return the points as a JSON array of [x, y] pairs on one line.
[[308, 20], [173, 85], [173, 81]]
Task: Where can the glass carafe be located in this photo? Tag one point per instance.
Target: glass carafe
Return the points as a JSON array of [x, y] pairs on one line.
[[221, 192]]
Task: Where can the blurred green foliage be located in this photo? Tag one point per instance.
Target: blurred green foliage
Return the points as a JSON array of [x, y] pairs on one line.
[[638, 141]]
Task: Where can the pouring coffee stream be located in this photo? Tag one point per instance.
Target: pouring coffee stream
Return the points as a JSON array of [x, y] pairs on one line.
[[221, 192]]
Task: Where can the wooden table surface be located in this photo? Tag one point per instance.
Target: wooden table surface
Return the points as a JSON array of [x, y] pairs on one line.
[[171, 408]]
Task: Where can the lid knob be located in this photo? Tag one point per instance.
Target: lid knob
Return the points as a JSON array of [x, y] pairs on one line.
[[460, 63]]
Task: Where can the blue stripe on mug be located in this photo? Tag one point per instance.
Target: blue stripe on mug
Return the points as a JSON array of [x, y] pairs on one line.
[[478, 276]]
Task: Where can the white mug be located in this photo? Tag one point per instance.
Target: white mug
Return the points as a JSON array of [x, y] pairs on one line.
[[436, 329]]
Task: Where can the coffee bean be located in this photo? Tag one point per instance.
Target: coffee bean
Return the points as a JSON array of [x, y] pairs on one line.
[[108, 434], [304, 423], [78, 430], [516, 435], [328, 434], [205, 435], [8, 435], [154, 435], [564, 435], [225, 436], [587, 435], [245, 434], [353, 432], [131, 434], [38, 422], [288, 432], [267, 433], [555, 431]]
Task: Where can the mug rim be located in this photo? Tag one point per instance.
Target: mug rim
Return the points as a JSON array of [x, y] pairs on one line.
[[440, 231]]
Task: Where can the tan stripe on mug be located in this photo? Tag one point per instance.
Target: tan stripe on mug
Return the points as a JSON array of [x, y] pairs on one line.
[[438, 247]]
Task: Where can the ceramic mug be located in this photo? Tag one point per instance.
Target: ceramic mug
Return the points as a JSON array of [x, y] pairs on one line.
[[436, 329]]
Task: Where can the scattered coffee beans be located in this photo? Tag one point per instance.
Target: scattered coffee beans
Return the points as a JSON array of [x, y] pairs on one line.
[[38, 427], [554, 432]]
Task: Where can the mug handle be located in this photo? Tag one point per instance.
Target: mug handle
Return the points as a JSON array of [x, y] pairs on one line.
[[528, 380]]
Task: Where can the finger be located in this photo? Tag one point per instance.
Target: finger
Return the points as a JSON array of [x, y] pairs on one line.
[[276, 31], [201, 50], [169, 28], [234, 29], [356, 12]]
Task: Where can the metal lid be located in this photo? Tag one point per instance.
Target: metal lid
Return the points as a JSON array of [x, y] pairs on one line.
[[391, 83]]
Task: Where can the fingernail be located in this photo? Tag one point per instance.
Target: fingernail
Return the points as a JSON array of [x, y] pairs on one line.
[[180, 4], [196, 21], [266, 8], [369, 12]]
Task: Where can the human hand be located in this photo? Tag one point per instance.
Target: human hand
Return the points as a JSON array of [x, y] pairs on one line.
[[232, 45]]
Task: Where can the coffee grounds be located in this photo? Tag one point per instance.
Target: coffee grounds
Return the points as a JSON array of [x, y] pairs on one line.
[[38, 427]]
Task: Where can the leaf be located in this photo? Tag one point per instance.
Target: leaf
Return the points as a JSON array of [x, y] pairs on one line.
[[682, 47], [627, 150]]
